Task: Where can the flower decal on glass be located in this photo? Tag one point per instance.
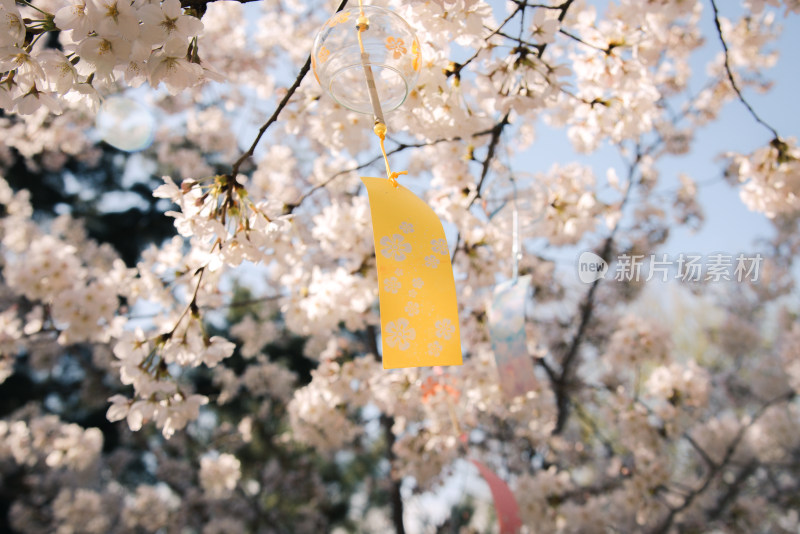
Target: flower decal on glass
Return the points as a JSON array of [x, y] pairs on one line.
[[392, 285], [445, 328], [412, 309], [323, 55], [418, 283], [395, 247], [396, 46], [439, 246], [344, 16], [399, 333], [434, 349], [406, 227], [431, 261]]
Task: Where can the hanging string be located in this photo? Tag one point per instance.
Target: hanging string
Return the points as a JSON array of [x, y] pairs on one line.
[[516, 246], [516, 251], [380, 123]]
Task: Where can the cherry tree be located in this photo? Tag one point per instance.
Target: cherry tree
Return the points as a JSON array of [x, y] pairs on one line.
[[225, 375]]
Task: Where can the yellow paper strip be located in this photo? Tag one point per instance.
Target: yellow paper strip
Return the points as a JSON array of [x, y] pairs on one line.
[[419, 312]]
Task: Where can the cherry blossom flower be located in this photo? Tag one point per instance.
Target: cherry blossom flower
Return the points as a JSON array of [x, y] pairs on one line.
[[12, 29], [161, 23], [61, 74], [217, 349], [32, 99], [77, 17], [104, 53], [171, 66], [28, 70], [219, 474], [114, 18], [544, 27]]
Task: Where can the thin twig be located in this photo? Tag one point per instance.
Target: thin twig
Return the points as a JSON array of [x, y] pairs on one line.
[[497, 131], [578, 39], [730, 74], [289, 208], [282, 104], [460, 67], [563, 7]]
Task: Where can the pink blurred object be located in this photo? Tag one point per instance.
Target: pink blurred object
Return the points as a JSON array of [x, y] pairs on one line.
[[504, 502]]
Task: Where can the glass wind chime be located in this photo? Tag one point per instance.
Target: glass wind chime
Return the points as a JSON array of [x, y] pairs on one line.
[[507, 321], [368, 59]]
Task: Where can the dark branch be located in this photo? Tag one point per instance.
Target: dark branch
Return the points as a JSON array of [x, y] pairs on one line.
[[200, 6], [497, 131], [562, 382], [730, 74], [402, 146], [395, 497], [277, 112]]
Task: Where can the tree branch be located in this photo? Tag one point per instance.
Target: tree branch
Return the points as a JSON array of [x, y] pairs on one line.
[[733, 491], [730, 74], [200, 6], [395, 497], [497, 131], [561, 384], [289, 208], [282, 104], [716, 468]]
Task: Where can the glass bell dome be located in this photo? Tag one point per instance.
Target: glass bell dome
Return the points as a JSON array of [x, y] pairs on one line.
[[392, 54]]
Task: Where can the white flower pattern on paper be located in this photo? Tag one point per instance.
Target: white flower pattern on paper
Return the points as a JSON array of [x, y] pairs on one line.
[[406, 227], [398, 272], [434, 349], [395, 247], [418, 283], [392, 285], [412, 293], [412, 309], [431, 261], [445, 328], [399, 333], [439, 246]]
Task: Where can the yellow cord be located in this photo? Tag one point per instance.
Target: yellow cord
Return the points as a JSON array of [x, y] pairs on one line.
[[380, 131]]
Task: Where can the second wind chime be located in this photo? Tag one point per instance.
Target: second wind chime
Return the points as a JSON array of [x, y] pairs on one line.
[[368, 58]]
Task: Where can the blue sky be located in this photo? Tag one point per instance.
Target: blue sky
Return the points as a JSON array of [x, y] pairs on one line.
[[729, 226]]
